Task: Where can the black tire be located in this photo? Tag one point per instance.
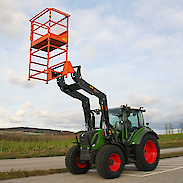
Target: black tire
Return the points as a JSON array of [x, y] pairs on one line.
[[73, 163], [110, 161], [147, 153]]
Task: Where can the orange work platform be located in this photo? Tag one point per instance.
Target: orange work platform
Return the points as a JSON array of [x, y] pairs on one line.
[[49, 45], [55, 41]]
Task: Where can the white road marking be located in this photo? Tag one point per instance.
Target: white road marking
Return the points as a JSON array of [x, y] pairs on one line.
[[164, 171], [154, 173], [132, 175]]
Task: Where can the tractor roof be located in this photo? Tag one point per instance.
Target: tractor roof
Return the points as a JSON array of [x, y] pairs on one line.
[[133, 108], [116, 110]]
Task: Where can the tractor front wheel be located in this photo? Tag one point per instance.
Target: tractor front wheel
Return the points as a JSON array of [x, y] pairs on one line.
[[147, 153], [110, 161], [73, 163]]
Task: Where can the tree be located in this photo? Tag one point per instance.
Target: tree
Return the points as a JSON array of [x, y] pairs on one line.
[[181, 127], [168, 128]]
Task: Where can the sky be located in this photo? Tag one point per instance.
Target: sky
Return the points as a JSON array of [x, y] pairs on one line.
[[130, 50]]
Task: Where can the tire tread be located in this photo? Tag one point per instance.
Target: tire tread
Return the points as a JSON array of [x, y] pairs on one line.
[[100, 162], [70, 164], [139, 163]]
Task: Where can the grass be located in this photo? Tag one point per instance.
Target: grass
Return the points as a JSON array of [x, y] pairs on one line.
[[21, 174], [21, 145], [33, 147], [171, 155], [171, 137], [171, 140]]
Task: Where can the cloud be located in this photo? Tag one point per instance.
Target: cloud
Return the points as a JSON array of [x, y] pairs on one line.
[[160, 14], [43, 114], [51, 106], [101, 30], [154, 113], [64, 119], [88, 52], [2, 99], [158, 119], [150, 42], [16, 98], [2, 112], [28, 104], [20, 112], [12, 21], [21, 79], [73, 34], [142, 100], [14, 119], [11, 118]]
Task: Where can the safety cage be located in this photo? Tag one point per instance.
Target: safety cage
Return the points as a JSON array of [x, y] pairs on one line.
[[49, 45]]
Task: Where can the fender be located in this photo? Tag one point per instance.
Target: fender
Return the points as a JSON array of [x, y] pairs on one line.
[[144, 133], [119, 145]]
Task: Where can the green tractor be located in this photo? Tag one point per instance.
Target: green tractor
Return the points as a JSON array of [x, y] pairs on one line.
[[121, 138]]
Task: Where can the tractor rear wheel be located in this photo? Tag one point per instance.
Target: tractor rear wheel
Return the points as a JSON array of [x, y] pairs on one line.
[[147, 153], [73, 163], [110, 161]]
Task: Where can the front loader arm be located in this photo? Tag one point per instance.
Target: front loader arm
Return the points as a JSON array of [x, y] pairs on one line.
[[82, 84], [71, 90]]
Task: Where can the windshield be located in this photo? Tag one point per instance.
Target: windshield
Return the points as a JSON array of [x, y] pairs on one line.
[[114, 115], [113, 119], [133, 119]]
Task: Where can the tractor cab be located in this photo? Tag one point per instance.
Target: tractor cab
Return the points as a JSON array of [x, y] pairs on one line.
[[125, 120]]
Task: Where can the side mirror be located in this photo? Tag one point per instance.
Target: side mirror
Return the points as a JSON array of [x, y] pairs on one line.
[[147, 124]]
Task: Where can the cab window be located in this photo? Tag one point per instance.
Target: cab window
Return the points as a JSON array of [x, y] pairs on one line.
[[133, 118], [113, 118], [141, 119]]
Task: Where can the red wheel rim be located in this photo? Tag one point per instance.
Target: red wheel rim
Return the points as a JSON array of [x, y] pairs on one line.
[[114, 162], [79, 164], [150, 152]]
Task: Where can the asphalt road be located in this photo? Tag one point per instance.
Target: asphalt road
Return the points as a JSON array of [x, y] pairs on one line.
[[48, 162], [171, 150], [43, 163], [169, 170]]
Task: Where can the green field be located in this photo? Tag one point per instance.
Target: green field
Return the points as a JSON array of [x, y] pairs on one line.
[[171, 140], [26, 144]]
